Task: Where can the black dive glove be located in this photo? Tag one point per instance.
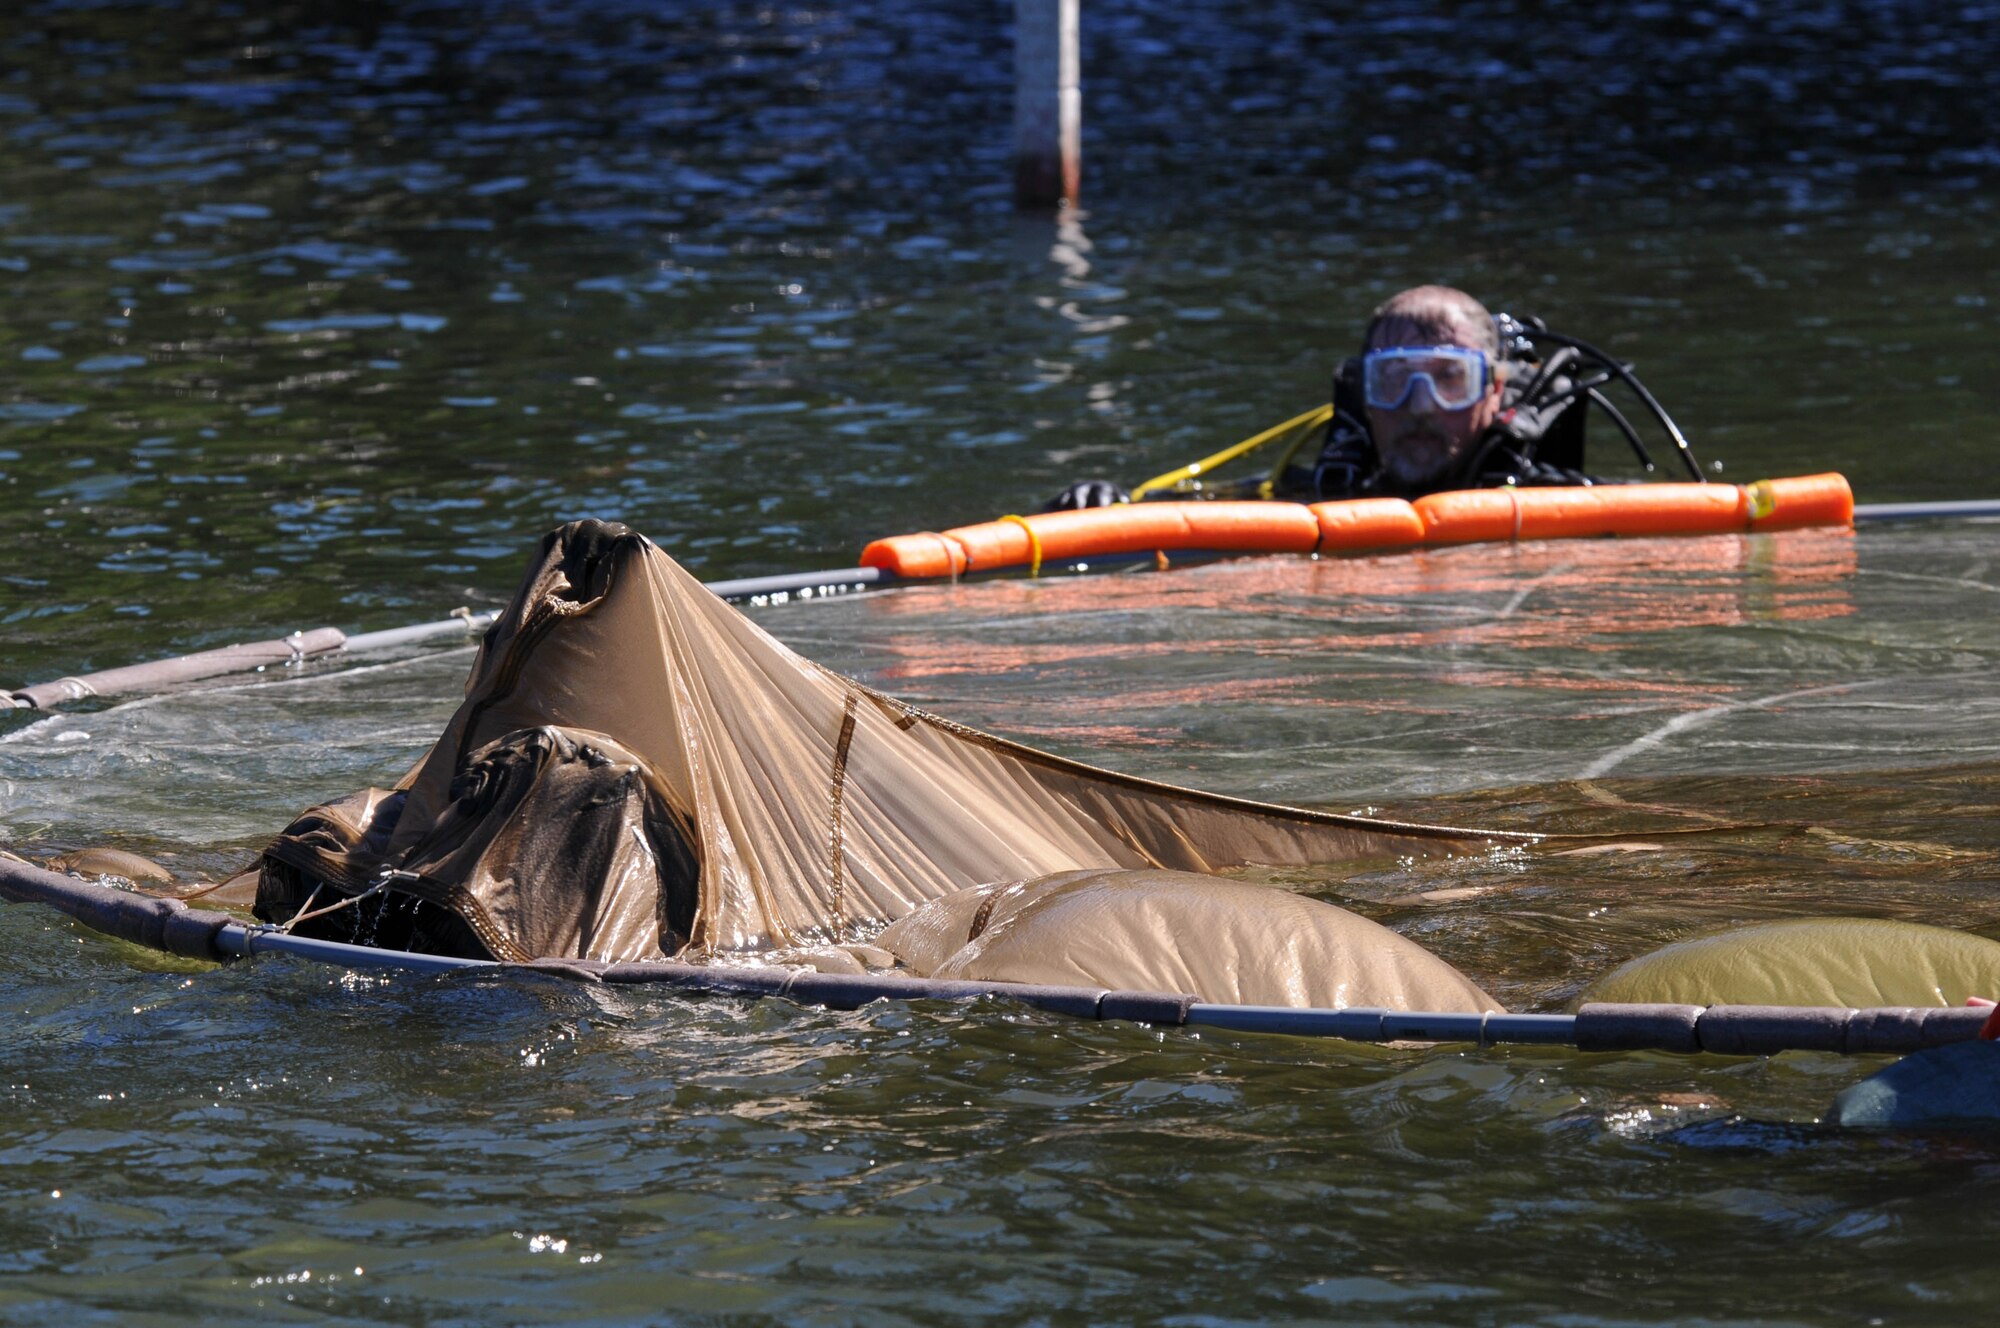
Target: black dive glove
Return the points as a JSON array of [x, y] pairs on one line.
[[1087, 493]]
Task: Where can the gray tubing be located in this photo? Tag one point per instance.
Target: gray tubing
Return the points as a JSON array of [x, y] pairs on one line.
[[164, 673], [299, 646], [1372, 1025], [241, 940], [463, 625], [1728, 1030], [803, 584], [1926, 511], [294, 649], [157, 924]]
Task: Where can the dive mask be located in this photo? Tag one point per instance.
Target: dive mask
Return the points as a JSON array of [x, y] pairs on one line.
[[1456, 375]]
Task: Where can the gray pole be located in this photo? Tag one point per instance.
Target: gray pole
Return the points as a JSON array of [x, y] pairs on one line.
[[1048, 104]]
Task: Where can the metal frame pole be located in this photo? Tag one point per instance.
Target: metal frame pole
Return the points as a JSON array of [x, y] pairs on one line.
[[1048, 105]]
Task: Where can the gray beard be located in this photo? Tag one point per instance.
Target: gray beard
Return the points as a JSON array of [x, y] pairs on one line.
[[1420, 457]]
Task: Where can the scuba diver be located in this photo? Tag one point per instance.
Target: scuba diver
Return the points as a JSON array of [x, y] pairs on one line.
[[1447, 396]]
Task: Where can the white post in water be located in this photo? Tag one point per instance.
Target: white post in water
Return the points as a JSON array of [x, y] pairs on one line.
[[1048, 104]]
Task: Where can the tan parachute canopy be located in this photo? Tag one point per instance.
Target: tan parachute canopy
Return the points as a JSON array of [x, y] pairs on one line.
[[636, 765], [1231, 942]]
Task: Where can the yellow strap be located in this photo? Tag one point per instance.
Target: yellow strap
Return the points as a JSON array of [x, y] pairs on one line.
[[1269, 484], [1312, 419], [1034, 544]]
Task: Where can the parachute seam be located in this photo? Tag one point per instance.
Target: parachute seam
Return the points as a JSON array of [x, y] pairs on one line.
[[836, 846]]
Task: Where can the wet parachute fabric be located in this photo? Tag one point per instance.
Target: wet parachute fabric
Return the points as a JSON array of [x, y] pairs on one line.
[[1853, 963], [1230, 942], [636, 764]]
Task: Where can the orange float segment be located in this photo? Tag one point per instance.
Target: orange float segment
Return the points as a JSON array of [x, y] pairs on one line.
[[1267, 527], [1469, 516], [1803, 500], [1096, 532], [1477, 516], [1597, 511], [1231, 527], [992, 544], [1235, 527], [1669, 509], [916, 557], [1367, 523]]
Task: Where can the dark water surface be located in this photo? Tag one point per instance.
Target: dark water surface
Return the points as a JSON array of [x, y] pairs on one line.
[[322, 313]]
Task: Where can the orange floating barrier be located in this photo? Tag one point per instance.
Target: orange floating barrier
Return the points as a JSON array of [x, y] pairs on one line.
[[1059, 537], [1804, 500], [1472, 516], [1247, 527], [1462, 517], [1666, 509], [1476, 515], [1367, 523], [925, 557]]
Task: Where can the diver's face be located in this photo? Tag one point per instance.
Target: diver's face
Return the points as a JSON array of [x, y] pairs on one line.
[[1420, 442]]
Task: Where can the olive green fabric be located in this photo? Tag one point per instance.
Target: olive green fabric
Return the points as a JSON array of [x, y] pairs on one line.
[[1859, 963], [813, 808], [1229, 942]]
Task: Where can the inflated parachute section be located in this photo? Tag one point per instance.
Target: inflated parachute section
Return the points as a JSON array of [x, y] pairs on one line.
[[637, 767], [1850, 963], [1230, 942]]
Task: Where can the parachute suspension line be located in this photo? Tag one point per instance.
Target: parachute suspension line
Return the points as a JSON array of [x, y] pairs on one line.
[[311, 899], [1312, 419], [1034, 544], [303, 916]]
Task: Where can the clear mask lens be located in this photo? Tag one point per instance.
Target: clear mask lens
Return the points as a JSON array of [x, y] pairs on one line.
[[1454, 375]]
